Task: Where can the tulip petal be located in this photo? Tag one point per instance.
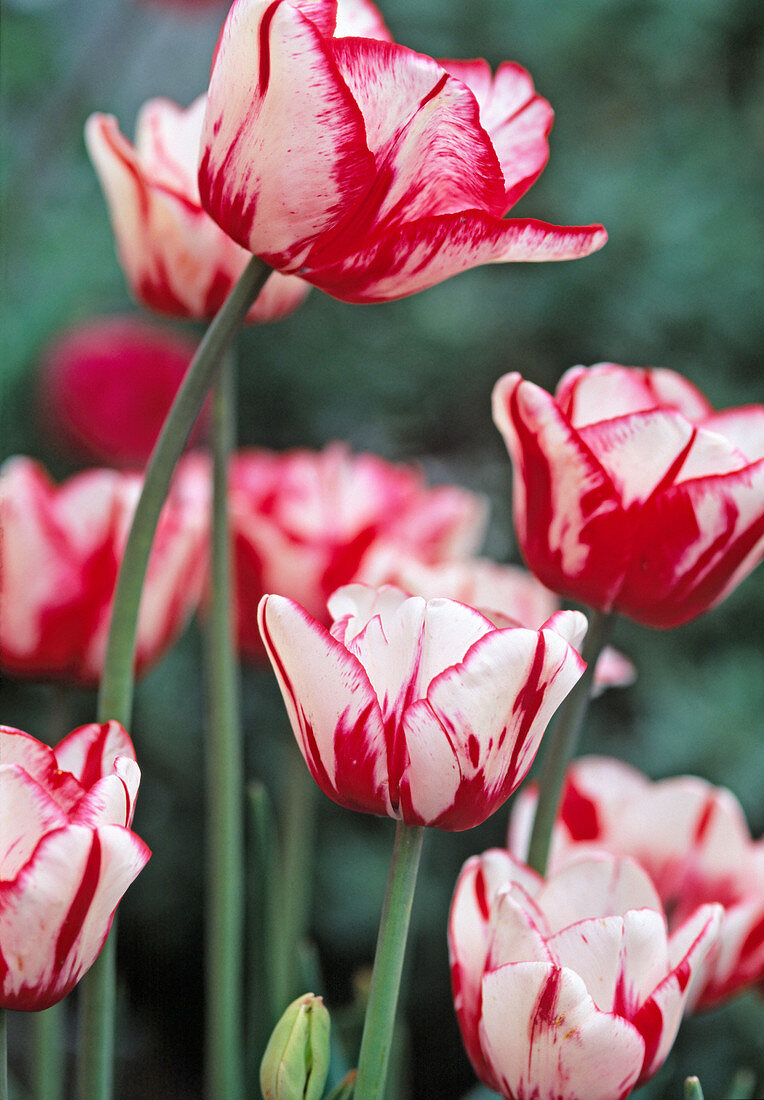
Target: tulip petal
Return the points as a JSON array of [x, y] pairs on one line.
[[90, 752], [621, 959], [277, 100], [596, 887], [27, 813], [334, 712], [469, 937], [67, 893], [491, 710], [555, 1045], [607, 390], [712, 536], [659, 1017], [568, 516], [415, 256], [743, 427], [432, 155], [641, 451], [360, 19], [40, 763], [516, 119]]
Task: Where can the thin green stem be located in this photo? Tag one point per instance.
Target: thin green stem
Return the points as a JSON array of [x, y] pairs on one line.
[[561, 742], [115, 698], [263, 920], [225, 787], [388, 963], [47, 1065], [3, 1054]]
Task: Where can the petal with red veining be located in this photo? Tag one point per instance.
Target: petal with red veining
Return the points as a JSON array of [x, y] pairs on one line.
[[27, 813], [567, 1048], [332, 706], [417, 255], [277, 100]]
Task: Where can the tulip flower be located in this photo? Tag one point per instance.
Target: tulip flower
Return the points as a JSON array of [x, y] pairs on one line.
[[67, 855], [569, 987], [368, 169], [177, 261], [107, 385], [59, 558], [418, 710], [692, 839], [631, 493], [505, 594], [305, 523]]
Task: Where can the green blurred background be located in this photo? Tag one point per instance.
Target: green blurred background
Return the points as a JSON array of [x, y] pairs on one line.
[[657, 135]]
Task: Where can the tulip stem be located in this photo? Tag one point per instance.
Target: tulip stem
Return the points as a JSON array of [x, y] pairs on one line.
[[47, 1068], [225, 787], [561, 742], [116, 693], [388, 963]]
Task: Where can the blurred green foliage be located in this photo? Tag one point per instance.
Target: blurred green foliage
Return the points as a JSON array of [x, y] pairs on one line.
[[658, 110]]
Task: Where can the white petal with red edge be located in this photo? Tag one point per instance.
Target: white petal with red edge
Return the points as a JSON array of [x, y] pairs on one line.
[[359, 18], [284, 155], [590, 888], [90, 752], [414, 256], [544, 1037], [27, 813], [40, 763], [743, 427], [67, 893], [332, 707]]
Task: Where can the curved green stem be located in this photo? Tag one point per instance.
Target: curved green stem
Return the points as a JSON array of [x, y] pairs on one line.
[[560, 744], [225, 787], [388, 963], [115, 698]]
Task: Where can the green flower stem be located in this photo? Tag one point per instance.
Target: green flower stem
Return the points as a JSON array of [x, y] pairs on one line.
[[298, 833], [3, 1054], [263, 924], [388, 963], [561, 742], [116, 694], [225, 787], [47, 1064]]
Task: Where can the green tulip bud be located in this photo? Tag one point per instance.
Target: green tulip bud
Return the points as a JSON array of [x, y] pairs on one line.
[[296, 1061]]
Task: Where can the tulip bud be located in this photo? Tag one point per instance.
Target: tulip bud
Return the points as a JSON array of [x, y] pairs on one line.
[[296, 1060]]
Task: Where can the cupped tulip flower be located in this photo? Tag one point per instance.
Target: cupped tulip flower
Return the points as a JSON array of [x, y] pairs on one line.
[[418, 710], [368, 169], [107, 385], [59, 559], [305, 522], [631, 493], [505, 594], [176, 259], [569, 987], [67, 856], [692, 839]]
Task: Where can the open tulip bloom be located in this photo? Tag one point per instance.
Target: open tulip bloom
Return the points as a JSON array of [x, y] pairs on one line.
[[59, 557], [67, 855], [692, 839], [418, 710], [570, 987], [177, 261], [631, 493], [368, 169]]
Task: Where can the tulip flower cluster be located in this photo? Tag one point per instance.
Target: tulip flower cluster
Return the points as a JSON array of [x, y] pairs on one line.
[[67, 855], [418, 680]]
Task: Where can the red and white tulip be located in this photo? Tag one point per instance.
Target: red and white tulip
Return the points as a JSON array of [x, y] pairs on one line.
[[631, 493], [107, 385], [306, 522], [67, 855], [59, 559], [418, 710], [572, 986], [505, 594], [176, 259], [692, 839], [368, 169]]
